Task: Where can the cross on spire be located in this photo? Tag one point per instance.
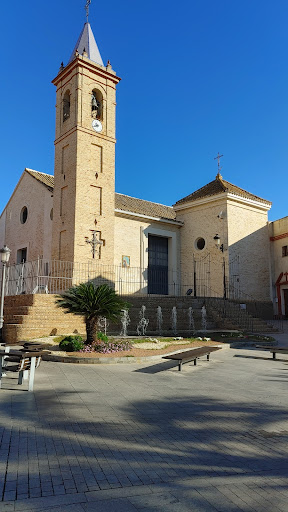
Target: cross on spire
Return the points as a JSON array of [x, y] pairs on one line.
[[218, 158], [88, 2]]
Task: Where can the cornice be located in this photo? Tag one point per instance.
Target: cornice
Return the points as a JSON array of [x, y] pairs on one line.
[[226, 196], [148, 217], [85, 63]]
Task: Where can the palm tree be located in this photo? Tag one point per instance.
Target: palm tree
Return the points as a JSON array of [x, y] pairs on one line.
[[92, 302]]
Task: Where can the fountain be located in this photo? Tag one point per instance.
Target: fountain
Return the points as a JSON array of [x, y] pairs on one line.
[[191, 321], [125, 321], [174, 320], [204, 318], [143, 322], [159, 320], [103, 324]]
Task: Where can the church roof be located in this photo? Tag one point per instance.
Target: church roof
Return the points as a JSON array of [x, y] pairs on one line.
[[46, 179], [122, 202], [134, 205], [218, 186], [86, 42]]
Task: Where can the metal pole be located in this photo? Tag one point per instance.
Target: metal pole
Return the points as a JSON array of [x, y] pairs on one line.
[[224, 280], [2, 297], [194, 276]]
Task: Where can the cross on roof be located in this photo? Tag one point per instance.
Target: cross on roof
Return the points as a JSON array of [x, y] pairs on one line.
[[88, 2], [218, 158]]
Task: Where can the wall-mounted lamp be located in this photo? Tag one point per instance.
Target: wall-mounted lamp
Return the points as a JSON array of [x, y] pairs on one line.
[[218, 240]]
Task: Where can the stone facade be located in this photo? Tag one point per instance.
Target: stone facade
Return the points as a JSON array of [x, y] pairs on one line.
[[33, 235], [248, 242], [279, 263]]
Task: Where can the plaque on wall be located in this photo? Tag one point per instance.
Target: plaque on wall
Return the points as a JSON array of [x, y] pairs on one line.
[[125, 261]]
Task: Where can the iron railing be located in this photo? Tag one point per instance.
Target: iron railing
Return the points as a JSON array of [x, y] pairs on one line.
[[53, 276]]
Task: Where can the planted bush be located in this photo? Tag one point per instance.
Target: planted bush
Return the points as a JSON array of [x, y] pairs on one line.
[[71, 344], [101, 336]]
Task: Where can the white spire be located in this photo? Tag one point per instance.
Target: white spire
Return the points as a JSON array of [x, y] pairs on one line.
[[86, 42]]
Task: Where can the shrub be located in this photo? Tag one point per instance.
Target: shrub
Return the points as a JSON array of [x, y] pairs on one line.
[[107, 347], [71, 344], [101, 336]]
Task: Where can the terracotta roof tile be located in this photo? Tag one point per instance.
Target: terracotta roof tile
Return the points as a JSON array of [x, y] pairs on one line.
[[219, 186], [134, 205], [46, 179], [122, 202]]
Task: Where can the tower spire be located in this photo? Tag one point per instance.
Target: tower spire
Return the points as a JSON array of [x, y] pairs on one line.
[[88, 2]]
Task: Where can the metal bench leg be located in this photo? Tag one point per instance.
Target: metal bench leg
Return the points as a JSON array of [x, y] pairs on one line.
[[180, 366], [195, 361], [208, 357], [20, 378], [1, 370], [274, 355], [32, 374]]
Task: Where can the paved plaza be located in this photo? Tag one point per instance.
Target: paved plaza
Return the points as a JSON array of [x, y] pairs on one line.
[[145, 437]]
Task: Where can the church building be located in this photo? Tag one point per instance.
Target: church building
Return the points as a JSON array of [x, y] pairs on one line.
[[72, 226]]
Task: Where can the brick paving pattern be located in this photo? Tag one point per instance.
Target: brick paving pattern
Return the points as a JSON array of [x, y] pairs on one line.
[[147, 437]]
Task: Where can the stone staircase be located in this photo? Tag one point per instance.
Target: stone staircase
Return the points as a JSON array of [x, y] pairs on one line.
[[30, 316], [230, 315]]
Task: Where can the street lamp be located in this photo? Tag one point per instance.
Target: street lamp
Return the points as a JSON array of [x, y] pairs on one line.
[[217, 240], [221, 247], [5, 255]]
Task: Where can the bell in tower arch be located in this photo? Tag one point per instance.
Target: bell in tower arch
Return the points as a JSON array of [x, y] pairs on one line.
[[96, 104]]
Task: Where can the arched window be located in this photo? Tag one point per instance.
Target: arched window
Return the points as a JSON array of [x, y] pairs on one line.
[[97, 104], [66, 105], [23, 215]]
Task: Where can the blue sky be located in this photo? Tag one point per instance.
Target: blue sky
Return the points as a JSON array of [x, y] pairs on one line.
[[198, 77]]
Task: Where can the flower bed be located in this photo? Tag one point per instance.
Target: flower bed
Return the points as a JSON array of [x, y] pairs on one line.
[[107, 347]]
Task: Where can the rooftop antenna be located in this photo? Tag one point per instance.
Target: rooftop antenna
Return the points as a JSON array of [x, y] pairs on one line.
[[218, 158], [88, 2]]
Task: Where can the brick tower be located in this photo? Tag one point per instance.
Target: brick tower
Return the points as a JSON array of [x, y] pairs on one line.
[[84, 191]]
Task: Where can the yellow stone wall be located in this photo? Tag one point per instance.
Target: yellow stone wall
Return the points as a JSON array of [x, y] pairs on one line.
[[84, 164], [243, 230], [248, 238], [202, 221], [131, 239]]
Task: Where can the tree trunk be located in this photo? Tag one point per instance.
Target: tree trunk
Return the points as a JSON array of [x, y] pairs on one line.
[[91, 330]]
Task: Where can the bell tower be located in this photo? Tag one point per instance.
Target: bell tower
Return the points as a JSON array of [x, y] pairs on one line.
[[84, 173]]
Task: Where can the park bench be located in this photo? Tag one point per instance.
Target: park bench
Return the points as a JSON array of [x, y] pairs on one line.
[[279, 350], [23, 362], [191, 355]]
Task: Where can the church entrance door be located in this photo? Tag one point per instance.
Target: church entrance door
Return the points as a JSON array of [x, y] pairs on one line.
[[157, 265]]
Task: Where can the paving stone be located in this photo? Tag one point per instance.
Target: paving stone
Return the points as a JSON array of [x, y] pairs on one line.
[[215, 429], [119, 505]]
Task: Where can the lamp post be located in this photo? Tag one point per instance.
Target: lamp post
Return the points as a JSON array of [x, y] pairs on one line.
[[221, 247], [5, 255]]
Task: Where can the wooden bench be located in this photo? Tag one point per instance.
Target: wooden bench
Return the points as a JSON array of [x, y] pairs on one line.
[[279, 350], [191, 355], [24, 363]]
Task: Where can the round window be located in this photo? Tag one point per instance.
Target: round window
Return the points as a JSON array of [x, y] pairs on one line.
[[23, 215], [200, 243], [51, 214]]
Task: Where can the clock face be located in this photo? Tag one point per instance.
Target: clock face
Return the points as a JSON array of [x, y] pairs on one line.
[[97, 125]]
